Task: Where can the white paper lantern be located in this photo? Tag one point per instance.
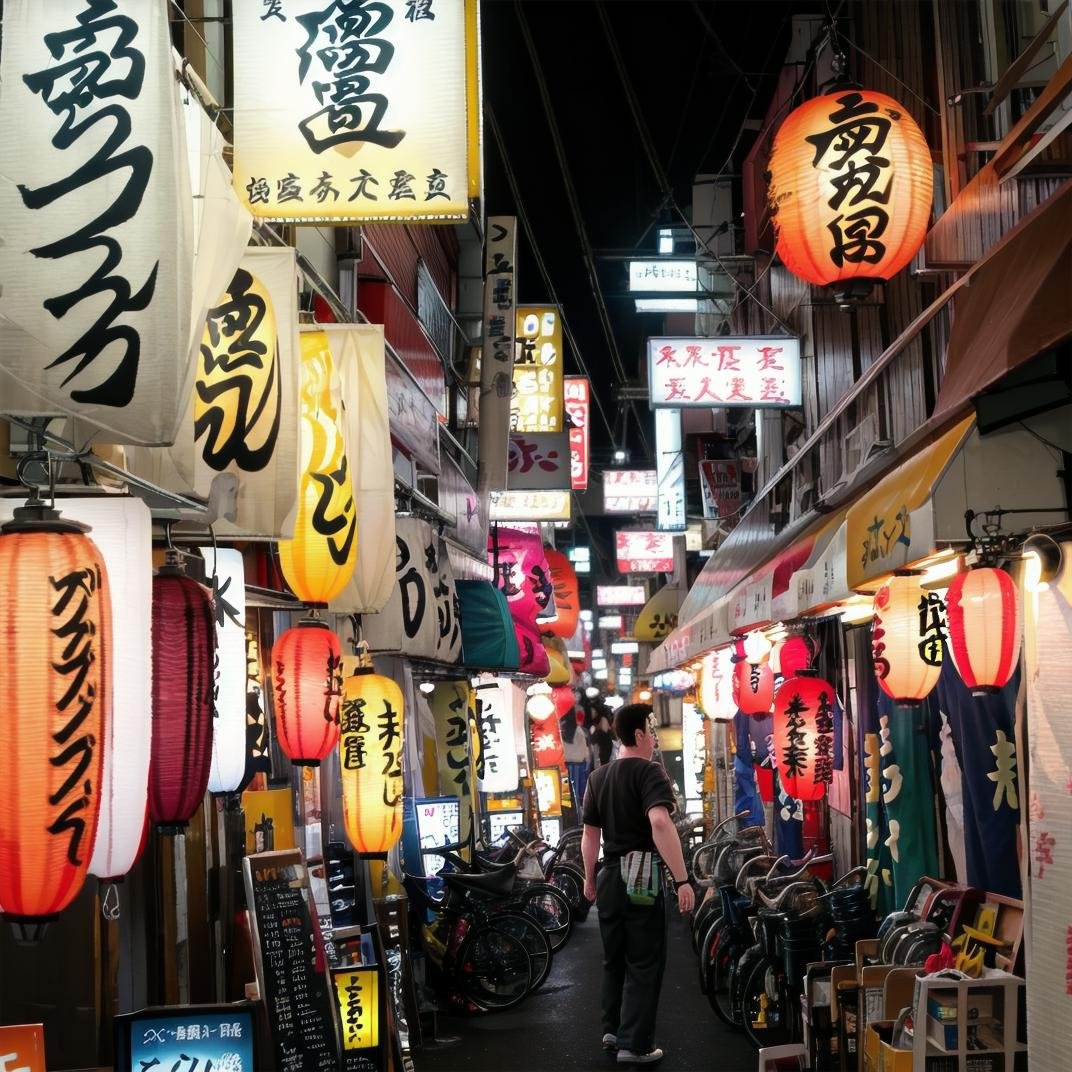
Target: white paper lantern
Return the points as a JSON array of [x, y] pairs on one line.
[[495, 717], [225, 575], [716, 685], [907, 639]]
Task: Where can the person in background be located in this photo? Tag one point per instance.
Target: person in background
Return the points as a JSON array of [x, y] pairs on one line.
[[575, 749], [630, 804], [600, 736]]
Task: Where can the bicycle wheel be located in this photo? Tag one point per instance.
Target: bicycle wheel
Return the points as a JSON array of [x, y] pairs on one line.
[[720, 971], [767, 1006], [570, 881], [493, 970], [705, 914], [549, 907], [706, 947], [532, 936]]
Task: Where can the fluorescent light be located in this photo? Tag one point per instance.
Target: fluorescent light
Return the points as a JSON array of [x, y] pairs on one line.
[[940, 571], [600, 675], [624, 647], [666, 305], [597, 653], [585, 615]]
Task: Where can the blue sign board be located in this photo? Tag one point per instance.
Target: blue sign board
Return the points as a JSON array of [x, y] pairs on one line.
[[186, 1039]]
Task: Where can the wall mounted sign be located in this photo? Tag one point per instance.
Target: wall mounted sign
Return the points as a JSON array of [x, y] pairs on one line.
[[539, 461], [644, 552], [529, 506], [669, 471], [756, 371], [720, 487], [673, 276], [621, 595], [578, 403], [347, 115], [630, 491], [538, 366]]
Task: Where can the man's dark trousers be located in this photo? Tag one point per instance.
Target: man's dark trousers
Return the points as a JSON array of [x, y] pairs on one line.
[[634, 955]]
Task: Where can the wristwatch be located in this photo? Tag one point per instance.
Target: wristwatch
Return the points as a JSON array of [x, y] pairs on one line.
[[678, 885]]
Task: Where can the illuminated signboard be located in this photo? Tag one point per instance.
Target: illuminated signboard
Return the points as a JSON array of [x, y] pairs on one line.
[[538, 461], [757, 371], [624, 647], [666, 305], [537, 403], [530, 506], [438, 824], [676, 277], [644, 552], [578, 403], [630, 491], [187, 1037], [500, 822], [621, 595], [669, 471], [610, 621]]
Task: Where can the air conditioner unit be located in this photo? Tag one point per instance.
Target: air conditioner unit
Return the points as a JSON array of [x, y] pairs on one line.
[[860, 446]]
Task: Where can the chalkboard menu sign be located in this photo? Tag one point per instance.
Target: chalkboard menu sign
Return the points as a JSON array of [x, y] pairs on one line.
[[290, 965]]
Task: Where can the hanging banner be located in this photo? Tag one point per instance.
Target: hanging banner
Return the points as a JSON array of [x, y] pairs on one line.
[[347, 113], [720, 487], [495, 717], [95, 263], [669, 471], [630, 491], [497, 351], [537, 404], [577, 393], [539, 461], [452, 703], [447, 607], [408, 622], [644, 552]]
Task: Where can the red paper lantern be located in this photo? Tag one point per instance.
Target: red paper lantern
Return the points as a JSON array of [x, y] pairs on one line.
[[850, 188], [753, 688], [984, 628], [564, 700], [55, 688], [307, 662], [567, 597], [907, 639], [795, 653], [184, 653], [804, 709]]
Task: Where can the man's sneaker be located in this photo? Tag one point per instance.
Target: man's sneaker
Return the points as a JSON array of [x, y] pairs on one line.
[[610, 1042], [627, 1057]]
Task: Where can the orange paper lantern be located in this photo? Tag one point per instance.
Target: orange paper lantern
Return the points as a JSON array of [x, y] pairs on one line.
[[56, 692], [984, 628], [907, 639], [753, 688], [306, 661], [850, 188], [804, 709], [567, 595]]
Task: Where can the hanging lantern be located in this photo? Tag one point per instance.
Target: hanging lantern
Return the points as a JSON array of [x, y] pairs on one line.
[[371, 715], [564, 699], [540, 704], [319, 561], [753, 688], [984, 628], [757, 647], [559, 670], [547, 743], [184, 653], [306, 661], [495, 716], [567, 596], [907, 639], [804, 708], [850, 189], [716, 689], [55, 682], [795, 653]]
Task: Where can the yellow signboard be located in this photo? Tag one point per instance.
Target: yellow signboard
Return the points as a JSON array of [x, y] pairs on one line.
[[537, 404], [357, 991], [343, 119]]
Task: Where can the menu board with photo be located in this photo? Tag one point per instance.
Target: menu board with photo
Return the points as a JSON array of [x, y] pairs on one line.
[[502, 821], [291, 967], [438, 820], [220, 1037]]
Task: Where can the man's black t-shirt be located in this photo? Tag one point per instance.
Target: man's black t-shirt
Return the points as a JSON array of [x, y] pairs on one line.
[[617, 800]]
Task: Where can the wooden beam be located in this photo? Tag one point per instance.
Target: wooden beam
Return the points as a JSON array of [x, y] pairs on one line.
[[1022, 64]]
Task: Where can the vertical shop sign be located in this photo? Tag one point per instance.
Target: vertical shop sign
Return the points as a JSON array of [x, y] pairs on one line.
[[352, 111], [577, 392], [670, 471], [360, 999], [451, 703], [720, 485], [537, 404], [497, 352], [539, 461], [495, 718], [95, 263]]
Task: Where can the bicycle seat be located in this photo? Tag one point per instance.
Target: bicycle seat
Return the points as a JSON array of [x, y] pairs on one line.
[[487, 886]]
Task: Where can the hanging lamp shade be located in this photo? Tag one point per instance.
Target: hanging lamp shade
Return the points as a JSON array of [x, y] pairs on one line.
[[494, 700], [306, 663], [547, 743], [753, 687], [907, 639], [56, 687], [984, 628], [804, 736], [184, 654], [851, 181], [319, 561], [540, 702], [371, 722], [567, 595]]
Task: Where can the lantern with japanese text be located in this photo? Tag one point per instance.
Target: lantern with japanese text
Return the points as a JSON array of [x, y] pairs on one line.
[[984, 628], [306, 662], [547, 743], [184, 655], [851, 181], [56, 686], [753, 687], [792, 655], [371, 719], [319, 561], [715, 687], [757, 647], [804, 710], [457, 746], [559, 669], [567, 595], [907, 639], [494, 702]]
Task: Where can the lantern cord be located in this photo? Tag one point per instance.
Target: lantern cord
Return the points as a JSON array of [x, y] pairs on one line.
[[110, 902]]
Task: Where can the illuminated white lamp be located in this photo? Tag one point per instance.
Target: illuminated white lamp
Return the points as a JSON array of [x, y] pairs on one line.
[[1043, 559], [613, 702], [427, 687], [941, 569], [857, 609], [591, 692], [597, 653], [585, 615], [540, 704], [599, 664], [644, 695], [600, 674], [756, 647]]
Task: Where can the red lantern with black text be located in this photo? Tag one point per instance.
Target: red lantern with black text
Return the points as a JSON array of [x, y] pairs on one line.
[[795, 653], [184, 654], [370, 757], [306, 665], [753, 688], [907, 639], [804, 711], [567, 596], [55, 688], [851, 182], [984, 628]]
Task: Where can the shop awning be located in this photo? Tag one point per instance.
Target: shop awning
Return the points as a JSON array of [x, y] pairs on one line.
[[488, 638], [820, 581]]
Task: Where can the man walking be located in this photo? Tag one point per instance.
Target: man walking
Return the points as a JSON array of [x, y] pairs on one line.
[[630, 801]]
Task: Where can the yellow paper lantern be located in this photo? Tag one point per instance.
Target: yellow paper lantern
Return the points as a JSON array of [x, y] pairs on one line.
[[371, 720], [319, 561], [908, 639]]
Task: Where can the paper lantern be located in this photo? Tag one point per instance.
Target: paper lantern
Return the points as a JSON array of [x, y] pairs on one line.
[[567, 595], [804, 709], [850, 188], [907, 639], [753, 688], [547, 744], [371, 721], [319, 561], [56, 689], [715, 687], [794, 654], [560, 671], [495, 717], [540, 703], [984, 628], [184, 655], [564, 699], [306, 662], [757, 647], [226, 574]]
